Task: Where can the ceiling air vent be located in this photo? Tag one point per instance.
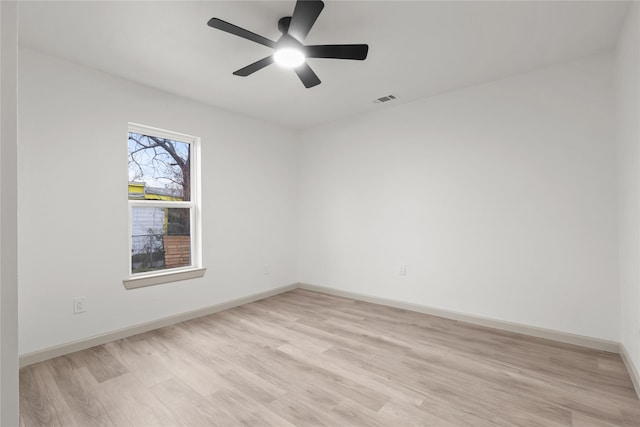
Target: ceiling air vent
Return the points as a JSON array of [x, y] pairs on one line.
[[385, 99]]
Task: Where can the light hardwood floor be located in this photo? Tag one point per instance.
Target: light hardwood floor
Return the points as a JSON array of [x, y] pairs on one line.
[[306, 358]]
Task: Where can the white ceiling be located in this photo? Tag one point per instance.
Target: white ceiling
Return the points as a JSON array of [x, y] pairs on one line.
[[416, 49]]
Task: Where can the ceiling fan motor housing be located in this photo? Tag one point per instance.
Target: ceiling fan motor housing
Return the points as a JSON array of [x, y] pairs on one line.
[[283, 24]]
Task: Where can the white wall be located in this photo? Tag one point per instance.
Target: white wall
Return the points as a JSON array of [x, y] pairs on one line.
[[73, 202], [499, 198], [8, 215], [628, 126]]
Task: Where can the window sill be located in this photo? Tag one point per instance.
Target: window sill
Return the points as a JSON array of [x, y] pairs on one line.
[[160, 278]]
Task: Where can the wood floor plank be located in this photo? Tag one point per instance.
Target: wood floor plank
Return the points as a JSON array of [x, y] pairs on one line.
[[266, 364], [101, 363], [200, 376], [308, 359], [46, 384], [244, 411], [35, 406], [130, 402], [245, 381], [403, 413], [365, 380], [139, 360], [301, 411], [78, 393], [192, 408]]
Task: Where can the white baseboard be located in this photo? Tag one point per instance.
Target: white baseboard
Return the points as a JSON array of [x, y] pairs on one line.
[[550, 334], [633, 372], [62, 349]]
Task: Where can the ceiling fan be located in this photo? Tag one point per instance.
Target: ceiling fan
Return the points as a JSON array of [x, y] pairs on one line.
[[288, 50]]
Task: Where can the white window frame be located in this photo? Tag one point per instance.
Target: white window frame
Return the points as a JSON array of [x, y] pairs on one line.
[[138, 280]]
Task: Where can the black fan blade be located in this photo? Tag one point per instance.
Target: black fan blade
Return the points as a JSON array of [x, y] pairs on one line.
[[304, 16], [240, 32], [338, 51], [256, 66], [306, 74]]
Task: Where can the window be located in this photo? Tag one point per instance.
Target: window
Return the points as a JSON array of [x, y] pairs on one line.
[[164, 207]]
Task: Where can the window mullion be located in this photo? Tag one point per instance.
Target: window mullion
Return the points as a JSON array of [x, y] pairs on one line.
[[160, 204]]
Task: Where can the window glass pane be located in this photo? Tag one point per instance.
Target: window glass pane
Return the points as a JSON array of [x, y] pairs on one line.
[[159, 168], [160, 238]]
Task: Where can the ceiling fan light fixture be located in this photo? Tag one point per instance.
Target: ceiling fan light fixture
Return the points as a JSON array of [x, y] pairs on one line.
[[289, 50], [289, 57]]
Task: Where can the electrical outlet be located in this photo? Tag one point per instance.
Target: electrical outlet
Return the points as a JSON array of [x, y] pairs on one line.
[[403, 270], [79, 305], [266, 270]]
